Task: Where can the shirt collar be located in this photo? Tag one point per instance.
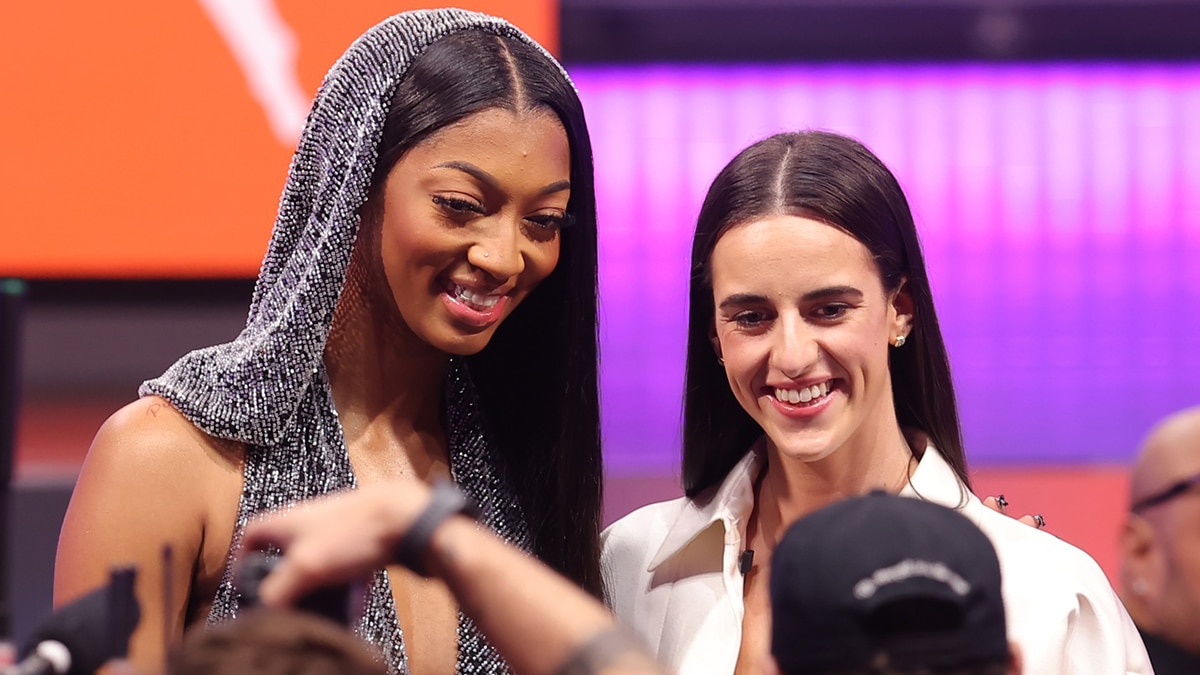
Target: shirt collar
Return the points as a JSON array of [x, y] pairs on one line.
[[730, 504], [934, 480], [733, 500]]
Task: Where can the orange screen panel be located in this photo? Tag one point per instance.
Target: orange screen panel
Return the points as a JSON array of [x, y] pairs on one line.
[[143, 138]]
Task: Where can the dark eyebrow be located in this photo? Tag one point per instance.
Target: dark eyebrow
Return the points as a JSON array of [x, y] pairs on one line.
[[833, 292], [740, 299], [489, 181]]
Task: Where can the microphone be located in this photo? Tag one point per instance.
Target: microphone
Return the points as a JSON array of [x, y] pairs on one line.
[[82, 636], [334, 602], [745, 561], [50, 657]]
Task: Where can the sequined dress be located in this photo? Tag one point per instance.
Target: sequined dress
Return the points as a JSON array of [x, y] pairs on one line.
[[268, 389]]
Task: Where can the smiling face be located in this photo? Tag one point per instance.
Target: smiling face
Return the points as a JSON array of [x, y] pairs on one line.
[[470, 224], [804, 324]]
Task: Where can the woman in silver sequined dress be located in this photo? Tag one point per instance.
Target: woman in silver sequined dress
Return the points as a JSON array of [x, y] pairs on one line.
[[427, 307]]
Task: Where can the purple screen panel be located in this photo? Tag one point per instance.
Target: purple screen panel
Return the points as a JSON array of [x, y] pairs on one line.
[[1059, 208]]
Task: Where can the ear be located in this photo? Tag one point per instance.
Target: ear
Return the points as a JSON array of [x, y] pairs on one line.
[[715, 341], [901, 311], [1142, 569]]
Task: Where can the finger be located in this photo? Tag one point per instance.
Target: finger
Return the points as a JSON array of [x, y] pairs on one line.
[[286, 583], [1036, 521], [271, 531], [998, 503]]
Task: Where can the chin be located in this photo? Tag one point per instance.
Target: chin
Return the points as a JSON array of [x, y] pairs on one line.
[[463, 345], [801, 447]]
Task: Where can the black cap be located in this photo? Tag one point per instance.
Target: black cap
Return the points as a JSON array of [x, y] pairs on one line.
[[890, 575]]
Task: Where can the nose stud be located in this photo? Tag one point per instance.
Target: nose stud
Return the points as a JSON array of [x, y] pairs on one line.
[[486, 254]]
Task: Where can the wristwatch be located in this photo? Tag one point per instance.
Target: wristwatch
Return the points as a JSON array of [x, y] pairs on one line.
[[445, 500]]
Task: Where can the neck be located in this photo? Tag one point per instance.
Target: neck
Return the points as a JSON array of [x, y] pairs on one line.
[[792, 488], [383, 376]]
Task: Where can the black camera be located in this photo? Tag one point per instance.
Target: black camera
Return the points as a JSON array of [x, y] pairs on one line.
[[336, 603]]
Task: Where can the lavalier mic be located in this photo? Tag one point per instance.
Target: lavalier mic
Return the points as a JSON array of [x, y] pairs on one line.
[[746, 561]]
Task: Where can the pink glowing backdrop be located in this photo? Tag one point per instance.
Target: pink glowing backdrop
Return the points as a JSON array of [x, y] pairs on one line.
[[1059, 207]]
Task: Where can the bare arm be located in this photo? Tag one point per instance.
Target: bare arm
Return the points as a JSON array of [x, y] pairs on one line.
[[146, 484], [541, 623]]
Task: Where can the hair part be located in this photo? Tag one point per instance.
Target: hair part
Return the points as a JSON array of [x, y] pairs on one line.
[[537, 378], [838, 181]]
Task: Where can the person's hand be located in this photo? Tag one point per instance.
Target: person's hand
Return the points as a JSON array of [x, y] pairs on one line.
[[1000, 505], [334, 539]]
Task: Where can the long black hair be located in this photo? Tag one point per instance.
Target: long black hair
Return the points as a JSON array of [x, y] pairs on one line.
[[536, 379], [839, 181]]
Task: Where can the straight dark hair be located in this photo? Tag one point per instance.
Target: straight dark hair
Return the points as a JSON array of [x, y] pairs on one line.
[[836, 180], [536, 379]]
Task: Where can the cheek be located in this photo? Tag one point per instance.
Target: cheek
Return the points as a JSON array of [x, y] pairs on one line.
[[409, 250], [541, 263], [1188, 550], [867, 345], [744, 356]]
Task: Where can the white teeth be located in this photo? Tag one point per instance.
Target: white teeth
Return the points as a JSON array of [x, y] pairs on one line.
[[805, 395], [476, 300]]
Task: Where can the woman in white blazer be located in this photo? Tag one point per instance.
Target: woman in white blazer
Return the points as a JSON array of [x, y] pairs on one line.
[[816, 370]]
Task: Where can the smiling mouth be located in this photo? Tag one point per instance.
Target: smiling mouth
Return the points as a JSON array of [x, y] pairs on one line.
[[479, 302], [805, 396]]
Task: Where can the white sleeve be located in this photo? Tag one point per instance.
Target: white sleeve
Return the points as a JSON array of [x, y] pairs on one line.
[[1101, 638]]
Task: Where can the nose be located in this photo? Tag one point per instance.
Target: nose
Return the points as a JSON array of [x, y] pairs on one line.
[[497, 250], [795, 350]]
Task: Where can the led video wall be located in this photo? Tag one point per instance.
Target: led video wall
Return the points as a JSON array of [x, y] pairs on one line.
[[1059, 208], [151, 139]]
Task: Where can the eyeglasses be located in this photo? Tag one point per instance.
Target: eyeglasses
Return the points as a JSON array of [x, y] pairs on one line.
[[1167, 494]]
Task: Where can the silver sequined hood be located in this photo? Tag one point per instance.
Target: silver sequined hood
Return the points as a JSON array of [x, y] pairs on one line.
[[268, 367]]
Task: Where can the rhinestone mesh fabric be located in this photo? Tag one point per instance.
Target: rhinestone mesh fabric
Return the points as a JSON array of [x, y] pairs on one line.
[[268, 389]]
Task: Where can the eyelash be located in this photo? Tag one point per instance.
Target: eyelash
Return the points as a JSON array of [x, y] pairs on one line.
[[749, 319], [839, 308], [462, 207], [755, 318], [552, 222], [456, 206]]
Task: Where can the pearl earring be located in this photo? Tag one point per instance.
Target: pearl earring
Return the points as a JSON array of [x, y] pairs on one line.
[[900, 340]]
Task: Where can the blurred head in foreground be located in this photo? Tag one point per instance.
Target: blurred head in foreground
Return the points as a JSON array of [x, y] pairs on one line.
[[268, 641], [885, 584]]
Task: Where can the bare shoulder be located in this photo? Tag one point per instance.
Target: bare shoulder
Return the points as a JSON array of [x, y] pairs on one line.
[[148, 474], [150, 435], [151, 480]]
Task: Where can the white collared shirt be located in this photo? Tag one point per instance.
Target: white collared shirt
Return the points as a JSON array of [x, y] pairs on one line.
[[672, 575]]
